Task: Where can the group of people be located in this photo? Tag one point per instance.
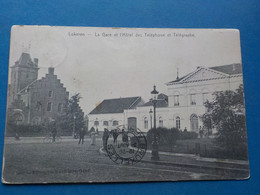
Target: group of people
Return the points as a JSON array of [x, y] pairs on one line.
[[92, 132], [115, 133]]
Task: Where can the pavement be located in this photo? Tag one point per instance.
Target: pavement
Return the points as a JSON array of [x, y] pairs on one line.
[[190, 162]]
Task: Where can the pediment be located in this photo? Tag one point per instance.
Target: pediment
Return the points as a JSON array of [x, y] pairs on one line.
[[204, 74]]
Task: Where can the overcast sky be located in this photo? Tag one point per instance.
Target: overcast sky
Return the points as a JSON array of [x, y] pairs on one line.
[[103, 67]]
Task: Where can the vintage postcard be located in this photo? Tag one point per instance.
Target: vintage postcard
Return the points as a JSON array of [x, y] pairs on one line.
[[124, 105]]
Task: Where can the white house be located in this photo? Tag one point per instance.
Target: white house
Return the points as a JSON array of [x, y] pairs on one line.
[[183, 104], [110, 112], [188, 94]]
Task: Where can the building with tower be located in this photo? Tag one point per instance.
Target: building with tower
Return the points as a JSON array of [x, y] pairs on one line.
[[23, 73], [32, 100]]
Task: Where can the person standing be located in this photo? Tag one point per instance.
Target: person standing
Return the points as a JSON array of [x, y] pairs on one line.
[[201, 132], [93, 138], [104, 138], [53, 131], [124, 136], [81, 135]]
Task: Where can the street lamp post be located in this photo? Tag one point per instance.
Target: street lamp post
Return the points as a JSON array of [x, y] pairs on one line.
[[74, 126], [151, 117], [155, 141]]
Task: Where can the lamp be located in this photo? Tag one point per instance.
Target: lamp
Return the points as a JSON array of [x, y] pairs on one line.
[[155, 141]]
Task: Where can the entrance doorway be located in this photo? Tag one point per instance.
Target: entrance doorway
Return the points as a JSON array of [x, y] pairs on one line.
[[132, 122]]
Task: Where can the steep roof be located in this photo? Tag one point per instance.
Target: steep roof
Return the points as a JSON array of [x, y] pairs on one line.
[[230, 69], [116, 105], [25, 60]]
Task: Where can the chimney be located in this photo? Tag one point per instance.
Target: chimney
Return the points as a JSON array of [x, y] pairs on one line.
[[177, 78], [51, 70], [36, 61]]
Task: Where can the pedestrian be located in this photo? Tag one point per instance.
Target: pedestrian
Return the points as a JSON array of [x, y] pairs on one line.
[[81, 135], [53, 131], [17, 136], [185, 129], [93, 138], [104, 138], [201, 132], [91, 130], [124, 136], [115, 134]]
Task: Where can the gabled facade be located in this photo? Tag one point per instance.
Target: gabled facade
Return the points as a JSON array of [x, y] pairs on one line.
[[188, 94], [32, 101]]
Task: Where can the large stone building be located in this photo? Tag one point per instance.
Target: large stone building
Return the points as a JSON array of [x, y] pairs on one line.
[[31, 101], [184, 102]]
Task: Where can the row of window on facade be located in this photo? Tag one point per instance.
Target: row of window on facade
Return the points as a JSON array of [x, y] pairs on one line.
[[105, 123], [178, 122], [205, 97], [50, 94], [193, 122], [49, 107], [146, 123]]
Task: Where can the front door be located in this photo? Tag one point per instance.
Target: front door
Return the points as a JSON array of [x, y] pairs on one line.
[[131, 122]]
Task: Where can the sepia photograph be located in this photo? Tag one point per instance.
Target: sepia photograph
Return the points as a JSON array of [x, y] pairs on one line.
[[99, 105]]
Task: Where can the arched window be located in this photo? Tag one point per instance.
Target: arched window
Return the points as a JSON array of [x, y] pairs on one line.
[[178, 122], [145, 123], [194, 122], [105, 123], [115, 123], [160, 122]]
